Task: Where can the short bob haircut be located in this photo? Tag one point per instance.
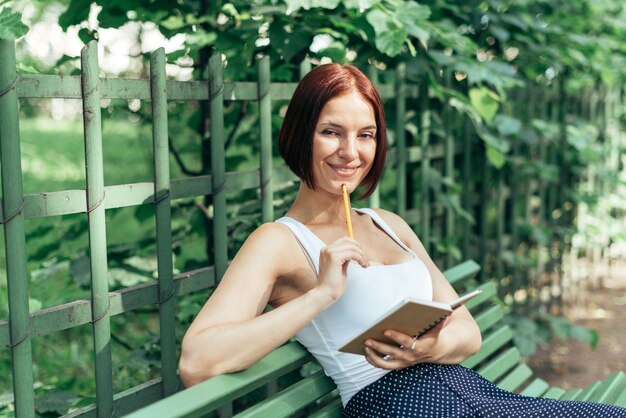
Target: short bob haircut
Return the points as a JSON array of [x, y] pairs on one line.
[[315, 89]]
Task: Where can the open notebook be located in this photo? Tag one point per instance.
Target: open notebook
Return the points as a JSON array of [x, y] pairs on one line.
[[411, 316]]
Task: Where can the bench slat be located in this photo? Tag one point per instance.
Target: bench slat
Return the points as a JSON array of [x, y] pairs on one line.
[[489, 318], [571, 394], [501, 364], [621, 399], [293, 399], [588, 391], [536, 388], [516, 378], [490, 345], [489, 291], [610, 388], [462, 272], [332, 410], [212, 393], [554, 393]]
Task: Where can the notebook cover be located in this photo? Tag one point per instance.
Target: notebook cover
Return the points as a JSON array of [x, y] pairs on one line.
[[411, 317]]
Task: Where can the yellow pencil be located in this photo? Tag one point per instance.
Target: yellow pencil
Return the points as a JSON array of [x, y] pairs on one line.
[[346, 206]]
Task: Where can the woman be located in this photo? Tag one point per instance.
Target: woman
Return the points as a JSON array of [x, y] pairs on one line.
[[325, 286]]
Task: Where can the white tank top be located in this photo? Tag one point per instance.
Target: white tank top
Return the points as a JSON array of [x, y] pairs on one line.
[[370, 292]]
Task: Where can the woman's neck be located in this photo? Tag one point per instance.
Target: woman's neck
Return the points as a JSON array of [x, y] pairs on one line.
[[313, 207]]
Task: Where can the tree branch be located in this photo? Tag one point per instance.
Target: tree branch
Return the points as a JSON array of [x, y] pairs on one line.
[[179, 160], [242, 112]]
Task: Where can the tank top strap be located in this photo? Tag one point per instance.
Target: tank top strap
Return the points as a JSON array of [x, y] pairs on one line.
[[380, 222], [309, 242]]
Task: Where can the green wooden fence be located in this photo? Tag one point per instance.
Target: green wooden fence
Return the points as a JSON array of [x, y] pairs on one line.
[[444, 144]]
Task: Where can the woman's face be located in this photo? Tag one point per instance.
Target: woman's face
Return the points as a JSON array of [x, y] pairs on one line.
[[344, 143]]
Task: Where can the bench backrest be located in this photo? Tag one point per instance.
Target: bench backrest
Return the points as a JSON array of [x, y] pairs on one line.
[[289, 382]]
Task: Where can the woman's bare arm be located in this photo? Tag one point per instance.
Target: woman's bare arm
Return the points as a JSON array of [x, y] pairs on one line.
[[231, 333]]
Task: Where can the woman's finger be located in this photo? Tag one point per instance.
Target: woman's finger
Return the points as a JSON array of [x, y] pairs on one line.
[[376, 360], [343, 254], [384, 349]]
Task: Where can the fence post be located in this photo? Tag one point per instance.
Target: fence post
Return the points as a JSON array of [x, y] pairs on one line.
[[374, 199], [449, 118], [100, 302], [218, 165], [424, 130], [14, 239], [163, 214], [401, 154], [466, 170], [265, 117]]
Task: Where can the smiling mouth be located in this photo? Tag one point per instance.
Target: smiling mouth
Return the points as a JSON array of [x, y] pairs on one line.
[[344, 171]]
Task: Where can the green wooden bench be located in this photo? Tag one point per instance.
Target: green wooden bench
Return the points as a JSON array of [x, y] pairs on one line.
[[289, 383]]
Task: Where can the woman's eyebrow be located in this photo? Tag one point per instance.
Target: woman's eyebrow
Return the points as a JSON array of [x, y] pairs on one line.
[[338, 125]]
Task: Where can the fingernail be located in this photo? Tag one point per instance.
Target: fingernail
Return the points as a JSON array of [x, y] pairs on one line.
[[388, 334]]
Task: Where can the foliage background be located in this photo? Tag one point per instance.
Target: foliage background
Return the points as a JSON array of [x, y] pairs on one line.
[[491, 48]]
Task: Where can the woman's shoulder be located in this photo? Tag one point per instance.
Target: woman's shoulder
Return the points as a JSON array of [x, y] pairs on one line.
[[273, 238], [270, 235], [393, 220], [397, 225]]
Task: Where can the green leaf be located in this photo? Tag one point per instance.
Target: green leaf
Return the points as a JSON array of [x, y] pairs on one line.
[[495, 73], [200, 38], [114, 13], [361, 5], [390, 33], [11, 26], [498, 143], [585, 335], [412, 15], [507, 125], [499, 32], [295, 44], [560, 327], [77, 12], [527, 346], [547, 129], [441, 58], [87, 35], [175, 55], [485, 101], [495, 157], [22, 68], [173, 22], [295, 5], [335, 51]]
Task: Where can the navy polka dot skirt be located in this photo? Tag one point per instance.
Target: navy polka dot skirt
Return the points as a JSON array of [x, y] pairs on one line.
[[434, 390]]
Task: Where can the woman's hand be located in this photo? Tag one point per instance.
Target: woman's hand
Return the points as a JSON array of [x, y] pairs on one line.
[[334, 260], [406, 352]]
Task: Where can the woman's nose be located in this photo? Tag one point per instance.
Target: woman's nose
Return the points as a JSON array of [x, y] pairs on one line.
[[348, 148]]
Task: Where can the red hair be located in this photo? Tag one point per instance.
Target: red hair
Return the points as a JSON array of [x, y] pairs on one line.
[[315, 89]]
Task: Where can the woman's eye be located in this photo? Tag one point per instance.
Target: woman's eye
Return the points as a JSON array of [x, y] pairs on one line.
[[328, 132], [367, 135]]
